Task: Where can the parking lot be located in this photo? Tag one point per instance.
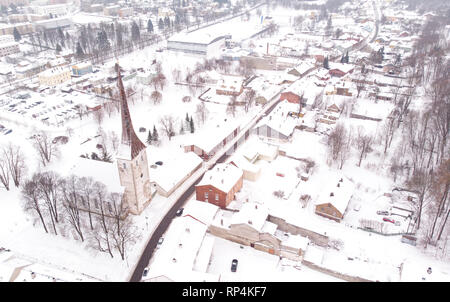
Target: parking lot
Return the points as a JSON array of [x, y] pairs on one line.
[[49, 108]]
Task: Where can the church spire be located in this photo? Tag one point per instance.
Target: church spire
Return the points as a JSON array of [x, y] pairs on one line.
[[129, 137]]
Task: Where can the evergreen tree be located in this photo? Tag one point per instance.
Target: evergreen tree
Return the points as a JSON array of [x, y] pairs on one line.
[[155, 134], [17, 36], [135, 33], [161, 24], [149, 26], [58, 48], [149, 137], [325, 63], [182, 129], [106, 156], [347, 59], [167, 22], [191, 123], [187, 122], [79, 52]]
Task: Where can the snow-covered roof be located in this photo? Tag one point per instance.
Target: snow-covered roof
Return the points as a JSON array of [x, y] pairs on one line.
[[341, 194], [296, 241], [279, 120], [177, 257], [251, 214], [202, 211], [369, 108], [176, 165], [314, 255], [210, 137], [222, 176], [104, 172], [341, 66]]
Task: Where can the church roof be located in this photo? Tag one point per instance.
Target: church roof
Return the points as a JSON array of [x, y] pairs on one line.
[[130, 140]]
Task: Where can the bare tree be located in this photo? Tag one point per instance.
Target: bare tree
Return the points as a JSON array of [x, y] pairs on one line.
[[46, 149], [202, 112], [4, 172], [387, 132], [98, 116], [124, 232], [249, 98], [101, 235], [167, 124], [31, 197], [363, 143], [232, 106], [156, 96], [72, 203], [338, 143], [48, 184], [16, 162], [421, 182], [86, 191]]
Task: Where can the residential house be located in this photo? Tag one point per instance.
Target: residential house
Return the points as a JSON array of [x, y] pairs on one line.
[[220, 184], [335, 197]]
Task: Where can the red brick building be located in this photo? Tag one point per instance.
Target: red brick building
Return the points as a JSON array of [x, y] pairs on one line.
[[220, 184], [290, 97]]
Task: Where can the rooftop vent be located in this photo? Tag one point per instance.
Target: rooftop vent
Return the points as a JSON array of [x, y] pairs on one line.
[[174, 260], [188, 230], [180, 245], [250, 222], [341, 180], [331, 194]]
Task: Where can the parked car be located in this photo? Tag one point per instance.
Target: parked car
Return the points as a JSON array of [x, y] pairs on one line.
[[8, 132], [234, 264], [180, 212], [396, 222], [388, 220], [383, 213], [159, 163]]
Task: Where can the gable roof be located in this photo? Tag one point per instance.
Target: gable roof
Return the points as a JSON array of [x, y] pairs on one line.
[[222, 176]]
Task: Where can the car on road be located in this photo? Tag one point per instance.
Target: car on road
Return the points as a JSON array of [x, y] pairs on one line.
[[234, 264], [145, 272], [160, 241], [383, 213], [180, 212], [8, 132]]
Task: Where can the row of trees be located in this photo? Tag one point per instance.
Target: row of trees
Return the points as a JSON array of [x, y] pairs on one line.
[[12, 166], [82, 206]]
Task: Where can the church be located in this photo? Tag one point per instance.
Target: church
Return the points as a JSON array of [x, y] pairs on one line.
[[132, 160]]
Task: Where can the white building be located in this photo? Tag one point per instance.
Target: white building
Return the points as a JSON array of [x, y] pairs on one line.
[[9, 48], [56, 9], [6, 39], [55, 76], [197, 43]]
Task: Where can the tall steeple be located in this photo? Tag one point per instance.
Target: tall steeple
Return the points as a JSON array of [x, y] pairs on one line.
[[129, 137], [132, 160]]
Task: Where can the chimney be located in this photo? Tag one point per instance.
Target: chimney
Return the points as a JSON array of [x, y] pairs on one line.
[[222, 181], [256, 206], [338, 185], [249, 222], [341, 180], [331, 194], [221, 221]]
